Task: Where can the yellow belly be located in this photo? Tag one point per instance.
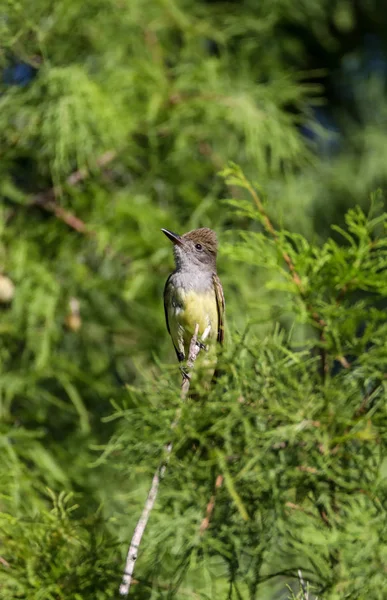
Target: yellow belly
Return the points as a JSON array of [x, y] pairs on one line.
[[192, 308]]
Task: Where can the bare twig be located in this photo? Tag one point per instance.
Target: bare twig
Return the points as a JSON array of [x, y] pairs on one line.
[[271, 229], [344, 362], [210, 506], [67, 217], [305, 593], [127, 579], [140, 527], [47, 199], [321, 324]]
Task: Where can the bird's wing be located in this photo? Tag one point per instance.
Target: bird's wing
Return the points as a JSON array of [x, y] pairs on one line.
[[180, 355], [165, 303], [220, 306]]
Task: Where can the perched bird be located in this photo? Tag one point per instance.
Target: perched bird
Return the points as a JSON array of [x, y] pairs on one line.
[[193, 293]]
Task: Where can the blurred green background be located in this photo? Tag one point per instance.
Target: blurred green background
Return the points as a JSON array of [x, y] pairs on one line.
[[116, 117]]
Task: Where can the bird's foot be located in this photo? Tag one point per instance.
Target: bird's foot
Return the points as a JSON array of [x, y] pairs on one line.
[[184, 371]]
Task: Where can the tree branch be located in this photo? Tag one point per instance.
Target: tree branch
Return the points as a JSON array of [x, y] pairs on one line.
[[194, 349], [304, 588], [210, 506], [367, 397], [295, 276], [140, 528], [47, 199]]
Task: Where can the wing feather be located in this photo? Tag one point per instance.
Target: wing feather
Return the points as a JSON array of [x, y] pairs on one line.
[[179, 355], [165, 303], [220, 306]]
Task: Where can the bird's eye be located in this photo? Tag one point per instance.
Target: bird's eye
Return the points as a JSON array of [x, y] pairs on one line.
[[198, 247]]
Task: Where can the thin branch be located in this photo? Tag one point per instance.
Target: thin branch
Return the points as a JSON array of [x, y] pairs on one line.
[[294, 506], [324, 367], [127, 579], [305, 593], [210, 506], [47, 199], [67, 217], [194, 349], [101, 161], [4, 562], [344, 362], [295, 276], [271, 229], [368, 396]]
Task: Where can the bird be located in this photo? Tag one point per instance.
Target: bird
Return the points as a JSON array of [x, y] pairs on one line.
[[193, 293]]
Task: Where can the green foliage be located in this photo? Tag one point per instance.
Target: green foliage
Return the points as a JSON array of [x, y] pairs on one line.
[[135, 107], [300, 445], [56, 556]]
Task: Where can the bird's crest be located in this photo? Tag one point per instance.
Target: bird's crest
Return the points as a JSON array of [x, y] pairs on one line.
[[205, 236]]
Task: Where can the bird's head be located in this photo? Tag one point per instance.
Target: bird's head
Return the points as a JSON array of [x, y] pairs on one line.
[[194, 249]]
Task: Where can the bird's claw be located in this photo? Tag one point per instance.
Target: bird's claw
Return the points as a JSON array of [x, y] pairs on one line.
[[185, 373]]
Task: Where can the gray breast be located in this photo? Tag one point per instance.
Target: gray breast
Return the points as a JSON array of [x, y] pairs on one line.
[[195, 279]]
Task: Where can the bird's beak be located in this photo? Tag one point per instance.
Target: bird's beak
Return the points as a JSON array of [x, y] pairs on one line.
[[174, 237]]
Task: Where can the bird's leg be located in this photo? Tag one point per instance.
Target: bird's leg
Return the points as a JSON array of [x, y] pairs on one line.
[[205, 335], [184, 372]]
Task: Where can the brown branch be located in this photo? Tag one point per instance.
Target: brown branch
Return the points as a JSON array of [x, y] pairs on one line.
[[342, 293], [295, 276], [47, 199], [344, 362], [300, 508], [324, 367], [67, 217], [4, 562], [210, 506], [271, 229], [323, 516], [127, 579]]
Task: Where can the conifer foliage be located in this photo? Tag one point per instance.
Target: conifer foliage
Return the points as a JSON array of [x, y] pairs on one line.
[[116, 118]]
